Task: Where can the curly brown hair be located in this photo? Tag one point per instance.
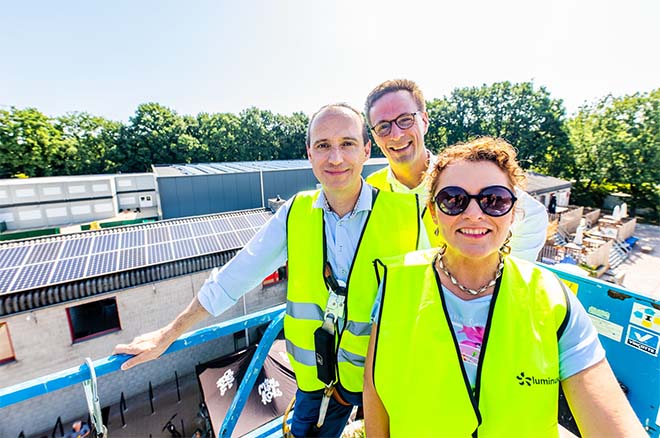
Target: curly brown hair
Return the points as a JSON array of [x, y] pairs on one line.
[[495, 150]]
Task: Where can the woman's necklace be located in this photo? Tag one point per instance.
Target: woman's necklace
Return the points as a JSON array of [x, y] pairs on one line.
[[440, 265]]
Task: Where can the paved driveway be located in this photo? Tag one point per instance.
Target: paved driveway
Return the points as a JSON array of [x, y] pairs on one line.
[[643, 270]]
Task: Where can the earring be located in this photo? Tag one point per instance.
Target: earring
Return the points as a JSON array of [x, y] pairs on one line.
[[505, 249], [437, 231]]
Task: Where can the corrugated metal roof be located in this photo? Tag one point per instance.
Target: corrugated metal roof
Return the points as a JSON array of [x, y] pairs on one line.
[[537, 183], [65, 178], [164, 170]]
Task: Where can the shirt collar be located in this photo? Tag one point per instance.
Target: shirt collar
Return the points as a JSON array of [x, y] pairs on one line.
[[363, 203], [420, 190]]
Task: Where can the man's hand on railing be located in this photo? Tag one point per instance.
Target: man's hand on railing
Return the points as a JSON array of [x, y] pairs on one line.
[[145, 347], [151, 345]]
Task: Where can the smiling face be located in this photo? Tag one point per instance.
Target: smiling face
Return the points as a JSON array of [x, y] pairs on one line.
[[337, 150], [404, 148], [472, 234]]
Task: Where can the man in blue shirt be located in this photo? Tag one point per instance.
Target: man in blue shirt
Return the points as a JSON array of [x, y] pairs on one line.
[[337, 147]]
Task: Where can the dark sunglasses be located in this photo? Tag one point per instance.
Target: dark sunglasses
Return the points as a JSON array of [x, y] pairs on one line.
[[404, 121], [493, 200]]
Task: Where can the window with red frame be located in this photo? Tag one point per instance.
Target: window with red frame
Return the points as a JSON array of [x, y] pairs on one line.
[[276, 277], [93, 319], [6, 349]]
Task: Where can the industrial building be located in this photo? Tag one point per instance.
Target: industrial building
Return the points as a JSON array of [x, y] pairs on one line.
[[48, 202], [195, 189]]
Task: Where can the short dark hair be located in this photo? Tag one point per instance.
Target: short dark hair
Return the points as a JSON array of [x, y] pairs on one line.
[[392, 86], [365, 132]]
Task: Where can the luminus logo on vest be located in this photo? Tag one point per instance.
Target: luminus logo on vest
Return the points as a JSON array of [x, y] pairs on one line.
[[531, 380]]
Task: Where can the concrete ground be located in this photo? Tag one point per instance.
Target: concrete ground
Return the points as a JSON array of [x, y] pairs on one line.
[[642, 271], [140, 422]]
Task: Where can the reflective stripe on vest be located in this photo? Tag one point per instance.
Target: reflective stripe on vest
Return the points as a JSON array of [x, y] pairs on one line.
[[391, 228], [418, 369], [378, 179]]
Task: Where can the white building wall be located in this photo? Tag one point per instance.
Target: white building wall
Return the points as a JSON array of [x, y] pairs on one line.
[[40, 202]]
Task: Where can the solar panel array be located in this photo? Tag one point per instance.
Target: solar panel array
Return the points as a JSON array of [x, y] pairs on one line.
[[37, 263]]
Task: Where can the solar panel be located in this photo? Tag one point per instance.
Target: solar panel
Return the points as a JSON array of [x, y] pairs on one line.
[[76, 247], [6, 276], [132, 239], [33, 276], [245, 235], [221, 225], [158, 235], [229, 240], [208, 244], [13, 256], [257, 220], [181, 231], [102, 264], [159, 253], [184, 249], [105, 242], [74, 257], [45, 252], [201, 228], [131, 258], [69, 269], [239, 222]]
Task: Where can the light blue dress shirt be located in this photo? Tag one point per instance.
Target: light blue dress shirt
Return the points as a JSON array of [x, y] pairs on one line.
[[267, 251]]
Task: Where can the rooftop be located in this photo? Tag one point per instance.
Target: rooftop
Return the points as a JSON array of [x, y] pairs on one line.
[[238, 167], [537, 183]]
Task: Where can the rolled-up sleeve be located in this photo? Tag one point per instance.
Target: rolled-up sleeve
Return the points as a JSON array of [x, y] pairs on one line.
[[260, 257]]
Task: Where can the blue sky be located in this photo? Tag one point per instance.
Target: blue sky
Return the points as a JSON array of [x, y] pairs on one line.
[[107, 57]]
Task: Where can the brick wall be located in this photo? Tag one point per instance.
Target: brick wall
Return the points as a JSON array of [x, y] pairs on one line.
[[42, 345]]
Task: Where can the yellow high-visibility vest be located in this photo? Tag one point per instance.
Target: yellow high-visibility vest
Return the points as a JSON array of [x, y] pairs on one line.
[[391, 228], [418, 370], [378, 179]]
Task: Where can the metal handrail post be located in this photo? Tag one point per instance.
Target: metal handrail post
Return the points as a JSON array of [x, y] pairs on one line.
[[250, 377]]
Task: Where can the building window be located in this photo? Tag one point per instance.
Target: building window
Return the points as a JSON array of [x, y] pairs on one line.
[[6, 349], [276, 277], [93, 319]]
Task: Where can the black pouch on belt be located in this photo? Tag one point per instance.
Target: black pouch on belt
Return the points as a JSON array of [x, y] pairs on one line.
[[324, 344]]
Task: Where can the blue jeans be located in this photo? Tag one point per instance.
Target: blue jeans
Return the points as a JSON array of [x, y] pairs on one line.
[[306, 414]]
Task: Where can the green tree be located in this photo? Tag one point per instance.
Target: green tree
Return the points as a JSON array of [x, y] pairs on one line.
[[218, 133], [256, 136], [526, 117], [290, 132], [151, 137], [87, 140], [617, 141], [30, 144]]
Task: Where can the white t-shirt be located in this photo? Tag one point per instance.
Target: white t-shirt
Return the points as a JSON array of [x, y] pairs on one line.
[[579, 346]]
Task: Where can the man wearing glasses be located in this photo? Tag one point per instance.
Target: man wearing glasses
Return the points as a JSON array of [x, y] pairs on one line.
[[396, 114], [330, 238]]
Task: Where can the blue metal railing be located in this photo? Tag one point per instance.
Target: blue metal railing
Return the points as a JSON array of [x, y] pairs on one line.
[[53, 382], [617, 313]]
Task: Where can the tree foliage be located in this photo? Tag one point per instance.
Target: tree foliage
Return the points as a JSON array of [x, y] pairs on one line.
[[617, 141], [31, 144], [526, 117]]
